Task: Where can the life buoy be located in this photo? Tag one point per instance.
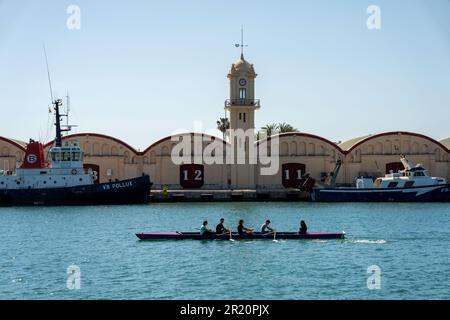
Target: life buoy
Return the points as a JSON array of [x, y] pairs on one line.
[[74, 171]]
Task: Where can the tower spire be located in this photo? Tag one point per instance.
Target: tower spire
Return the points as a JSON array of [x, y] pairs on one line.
[[241, 45], [242, 42]]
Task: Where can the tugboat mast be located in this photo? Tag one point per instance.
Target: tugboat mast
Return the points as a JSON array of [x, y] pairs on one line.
[[58, 140], [57, 103]]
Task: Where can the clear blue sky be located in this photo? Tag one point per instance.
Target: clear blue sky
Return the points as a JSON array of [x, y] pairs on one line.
[[138, 70]]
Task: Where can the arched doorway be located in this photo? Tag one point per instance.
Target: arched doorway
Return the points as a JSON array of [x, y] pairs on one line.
[[292, 175], [192, 176]]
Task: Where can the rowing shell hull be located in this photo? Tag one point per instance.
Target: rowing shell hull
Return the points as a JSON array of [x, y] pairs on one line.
[[132, 191], [235, 236]]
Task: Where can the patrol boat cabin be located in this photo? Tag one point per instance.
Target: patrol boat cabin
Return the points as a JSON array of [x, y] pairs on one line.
[[411, 176], [411, 184]]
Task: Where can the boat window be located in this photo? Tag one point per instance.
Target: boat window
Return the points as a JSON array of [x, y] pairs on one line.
[[66, 156], [392, 184], [377, 183], [56, 156], [409, 184], [419, 174], [76, 156]]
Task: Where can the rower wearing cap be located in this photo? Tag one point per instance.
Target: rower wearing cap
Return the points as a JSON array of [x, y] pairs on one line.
[[266, 229]]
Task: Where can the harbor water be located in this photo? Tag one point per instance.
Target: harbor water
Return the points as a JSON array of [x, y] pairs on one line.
[[408, 246]]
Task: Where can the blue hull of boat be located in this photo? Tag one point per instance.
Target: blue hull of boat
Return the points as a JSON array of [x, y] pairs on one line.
[[439, 193]]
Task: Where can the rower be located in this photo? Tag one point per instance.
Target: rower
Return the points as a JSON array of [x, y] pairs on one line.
[[220, 229], [265, 229], [243, 230], [303, 227], [204, 231]]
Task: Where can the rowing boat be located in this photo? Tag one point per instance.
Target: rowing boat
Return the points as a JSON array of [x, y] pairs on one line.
[[236, 236]]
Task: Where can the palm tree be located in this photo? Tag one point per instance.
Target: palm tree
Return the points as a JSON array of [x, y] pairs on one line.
[[223, 124], [284, 128], [270, 129]]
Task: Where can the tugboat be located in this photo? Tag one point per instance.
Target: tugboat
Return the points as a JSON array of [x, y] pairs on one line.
[[413, 184], [64, 181]]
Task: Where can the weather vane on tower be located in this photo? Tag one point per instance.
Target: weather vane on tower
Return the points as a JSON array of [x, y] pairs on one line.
[[241, 45]]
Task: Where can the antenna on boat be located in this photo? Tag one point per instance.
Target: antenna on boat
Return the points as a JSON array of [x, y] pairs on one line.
[[67, 126], [67, 108], [57, 103], [48, 72]]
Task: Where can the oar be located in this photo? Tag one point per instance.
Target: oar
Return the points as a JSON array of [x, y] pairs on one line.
[[231, 235]]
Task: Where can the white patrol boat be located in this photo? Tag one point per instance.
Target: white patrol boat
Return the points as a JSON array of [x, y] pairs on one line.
[[408, 185]]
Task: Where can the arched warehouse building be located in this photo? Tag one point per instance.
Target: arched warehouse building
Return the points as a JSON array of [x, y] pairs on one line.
[[299, 152]]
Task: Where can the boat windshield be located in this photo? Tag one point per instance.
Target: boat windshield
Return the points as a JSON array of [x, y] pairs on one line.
[[66, 156]]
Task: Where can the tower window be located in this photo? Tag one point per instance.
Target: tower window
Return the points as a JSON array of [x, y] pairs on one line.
[[245, 118], [240, 116], [242, 93]]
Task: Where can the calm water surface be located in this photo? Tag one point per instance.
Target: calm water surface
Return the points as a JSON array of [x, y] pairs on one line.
[[409, 242]]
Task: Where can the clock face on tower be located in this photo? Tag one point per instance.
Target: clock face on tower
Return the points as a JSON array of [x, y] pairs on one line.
[[242, 82]]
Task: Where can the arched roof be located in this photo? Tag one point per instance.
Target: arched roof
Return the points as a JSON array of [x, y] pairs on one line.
[[183, 134], [302, 134], [346, 145], [446, 143], [393, 133], [19, 144], [98, 135]]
